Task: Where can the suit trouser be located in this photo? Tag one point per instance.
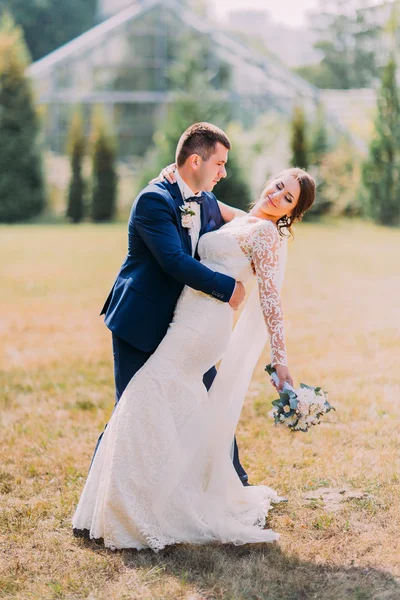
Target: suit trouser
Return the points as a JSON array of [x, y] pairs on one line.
[[128, 360]]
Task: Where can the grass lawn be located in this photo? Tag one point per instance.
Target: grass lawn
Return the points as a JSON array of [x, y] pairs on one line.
[[340, 530]]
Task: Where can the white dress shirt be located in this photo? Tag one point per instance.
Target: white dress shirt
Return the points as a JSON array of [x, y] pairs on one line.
[[194, 231], [186, 192]]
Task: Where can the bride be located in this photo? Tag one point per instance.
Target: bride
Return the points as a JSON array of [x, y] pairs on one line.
[[163, 472]]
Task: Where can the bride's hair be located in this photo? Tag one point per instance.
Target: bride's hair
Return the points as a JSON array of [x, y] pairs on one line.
[[306, 198]]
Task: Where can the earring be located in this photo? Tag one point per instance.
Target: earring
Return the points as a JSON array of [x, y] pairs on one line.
[[285, 221]]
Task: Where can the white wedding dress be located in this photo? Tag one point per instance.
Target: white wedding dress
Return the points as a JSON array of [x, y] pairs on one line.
[[163, 472]]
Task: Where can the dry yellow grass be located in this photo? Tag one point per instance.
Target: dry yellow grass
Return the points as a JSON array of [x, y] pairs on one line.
[[342, 310]]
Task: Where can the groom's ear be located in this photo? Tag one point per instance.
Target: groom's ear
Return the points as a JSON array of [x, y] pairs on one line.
[[194, 161]]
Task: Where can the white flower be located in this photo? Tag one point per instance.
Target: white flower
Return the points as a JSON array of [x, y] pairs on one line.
[[302, 424], [305, 395], [187, 215], [187, 221], [302, 407]]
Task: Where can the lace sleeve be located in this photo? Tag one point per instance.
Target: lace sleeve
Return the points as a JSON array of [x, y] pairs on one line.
[[265, 245]]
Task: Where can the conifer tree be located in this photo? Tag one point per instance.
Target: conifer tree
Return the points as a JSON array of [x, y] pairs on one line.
[[319, 144], [104, 174], [234, 189], [299, 145], [22, 188], [76, 150], [381, 172]]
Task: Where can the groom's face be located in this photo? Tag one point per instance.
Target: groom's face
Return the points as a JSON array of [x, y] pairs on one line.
[[208, 172]]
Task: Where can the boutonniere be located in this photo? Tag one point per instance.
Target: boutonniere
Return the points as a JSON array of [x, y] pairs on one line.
[[187, 215]]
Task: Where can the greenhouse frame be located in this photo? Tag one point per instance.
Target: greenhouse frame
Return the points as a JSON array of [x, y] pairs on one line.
[[123, 64]]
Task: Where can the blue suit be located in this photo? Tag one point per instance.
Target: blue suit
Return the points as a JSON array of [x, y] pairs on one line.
[[141, 303], [159, 263]]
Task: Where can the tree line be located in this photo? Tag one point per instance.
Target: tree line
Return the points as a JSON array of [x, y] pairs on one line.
[[22, 178], [379, 194], [97, 197], [352, 43]]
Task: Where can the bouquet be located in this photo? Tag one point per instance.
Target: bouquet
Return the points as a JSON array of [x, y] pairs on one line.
[[299, 409]]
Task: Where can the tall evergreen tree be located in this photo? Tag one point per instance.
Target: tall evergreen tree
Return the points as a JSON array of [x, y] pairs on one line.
[[318, 147], [299, 144], [76, 150], [22, 188], [381, 172], [319, 141], [235, 188], [104, 174]]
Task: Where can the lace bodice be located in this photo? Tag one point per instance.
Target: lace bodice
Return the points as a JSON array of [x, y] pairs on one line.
[[245, 246]]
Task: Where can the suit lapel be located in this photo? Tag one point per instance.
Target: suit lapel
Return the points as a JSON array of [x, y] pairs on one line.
[[203, 216], [207, 222], [173, 189]]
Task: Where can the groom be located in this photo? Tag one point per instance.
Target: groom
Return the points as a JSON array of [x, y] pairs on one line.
[[161, 249]]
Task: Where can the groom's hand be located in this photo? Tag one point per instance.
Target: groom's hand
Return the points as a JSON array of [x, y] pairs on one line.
[[284, 376], [238, 296]]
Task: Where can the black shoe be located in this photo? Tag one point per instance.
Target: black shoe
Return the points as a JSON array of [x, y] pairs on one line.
[[81, 533], [245, 483]]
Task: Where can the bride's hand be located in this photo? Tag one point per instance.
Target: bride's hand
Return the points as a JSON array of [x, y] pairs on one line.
[[167, 173], [284, 376]]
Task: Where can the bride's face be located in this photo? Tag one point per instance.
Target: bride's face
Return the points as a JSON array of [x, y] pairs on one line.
[[279, 197]]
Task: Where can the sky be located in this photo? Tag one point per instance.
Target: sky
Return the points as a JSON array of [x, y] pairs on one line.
[[289, 12]]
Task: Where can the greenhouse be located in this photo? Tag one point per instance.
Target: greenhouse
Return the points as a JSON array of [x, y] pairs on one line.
[[124, 64]]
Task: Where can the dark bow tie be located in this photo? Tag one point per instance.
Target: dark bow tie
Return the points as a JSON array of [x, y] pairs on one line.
[[198, 199]]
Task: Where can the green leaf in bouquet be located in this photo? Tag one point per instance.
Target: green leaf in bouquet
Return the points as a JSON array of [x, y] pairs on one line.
[[307, 387], [277, 403], [284, 396], [317, 390], [270, 369], [293, 402]]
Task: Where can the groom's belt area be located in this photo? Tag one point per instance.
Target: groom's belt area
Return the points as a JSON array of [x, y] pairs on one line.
[[155, 296], [139, 315]]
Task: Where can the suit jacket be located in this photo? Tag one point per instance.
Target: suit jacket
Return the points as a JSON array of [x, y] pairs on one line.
[[159, 263]]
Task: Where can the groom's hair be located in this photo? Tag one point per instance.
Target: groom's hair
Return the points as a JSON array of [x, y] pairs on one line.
[[201, 139]]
